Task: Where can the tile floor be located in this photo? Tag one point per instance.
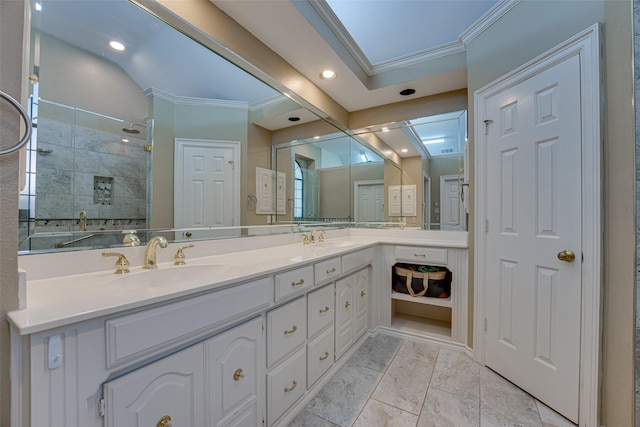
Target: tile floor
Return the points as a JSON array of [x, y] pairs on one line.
[[394, 382]]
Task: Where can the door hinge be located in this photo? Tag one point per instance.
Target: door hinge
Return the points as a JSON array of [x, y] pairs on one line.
[[262, 420], [101, 407], [485, 324]]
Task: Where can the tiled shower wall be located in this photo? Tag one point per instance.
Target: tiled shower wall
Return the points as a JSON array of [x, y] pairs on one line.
[[70, 158]]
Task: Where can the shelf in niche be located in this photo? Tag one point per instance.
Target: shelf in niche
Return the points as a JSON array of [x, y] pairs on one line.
[[421, 325], [440, 302]]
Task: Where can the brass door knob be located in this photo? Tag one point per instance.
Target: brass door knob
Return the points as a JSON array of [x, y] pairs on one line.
[[347, 304], [566, 256], [165, 421], [238, 374]]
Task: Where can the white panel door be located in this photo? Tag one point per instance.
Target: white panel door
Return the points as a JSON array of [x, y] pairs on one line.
[[534, 213], [451, 206], [206, 184], [264, 191], [370, 202], [395, 200]]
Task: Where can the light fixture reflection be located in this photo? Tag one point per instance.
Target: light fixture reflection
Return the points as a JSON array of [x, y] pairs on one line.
[[432, 141], [328, 75], [116, 45]]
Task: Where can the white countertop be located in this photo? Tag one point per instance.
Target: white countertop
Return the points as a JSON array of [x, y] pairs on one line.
[[95, 292]]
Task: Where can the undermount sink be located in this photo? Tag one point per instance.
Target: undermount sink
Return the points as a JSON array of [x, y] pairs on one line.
[[191, 275]]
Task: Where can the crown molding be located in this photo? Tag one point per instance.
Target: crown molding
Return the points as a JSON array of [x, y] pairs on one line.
[[268, 102], [487, 20], [194, 102]]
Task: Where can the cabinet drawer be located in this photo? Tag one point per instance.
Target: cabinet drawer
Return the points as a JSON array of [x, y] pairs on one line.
[[319, 356], [327, 270], [356, 260], [421, 255], [321, 309], [285, 385], [287, 329], [293, 282], [153, 331]]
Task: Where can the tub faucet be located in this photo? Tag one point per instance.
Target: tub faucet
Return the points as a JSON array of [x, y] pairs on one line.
[[150, 252]]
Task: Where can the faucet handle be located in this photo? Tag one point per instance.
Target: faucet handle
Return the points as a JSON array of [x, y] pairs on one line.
[[122, 264], [180, 258], [306, 239]]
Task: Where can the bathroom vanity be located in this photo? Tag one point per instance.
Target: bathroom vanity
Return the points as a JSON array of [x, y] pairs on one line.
[[244, 334]]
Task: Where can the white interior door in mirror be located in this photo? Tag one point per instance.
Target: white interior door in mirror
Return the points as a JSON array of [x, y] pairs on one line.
[[271, 189], [402, 200], [207, 183], [452, 209]]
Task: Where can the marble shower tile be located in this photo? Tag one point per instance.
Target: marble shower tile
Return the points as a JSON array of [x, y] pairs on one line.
[[404, 384], [376, 353], [87, 161], [342, 398], [504, 404], [54, 181], [550, 418], [379, 414], [54, 132], [307, 419], [457, 374], [442, 409]]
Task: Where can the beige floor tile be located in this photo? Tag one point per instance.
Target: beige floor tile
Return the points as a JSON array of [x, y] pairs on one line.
[[379, 414]]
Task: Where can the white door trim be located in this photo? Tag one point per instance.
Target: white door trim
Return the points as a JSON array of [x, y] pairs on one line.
[[586, 45], [356, 192], [426, 201], [178, 171]]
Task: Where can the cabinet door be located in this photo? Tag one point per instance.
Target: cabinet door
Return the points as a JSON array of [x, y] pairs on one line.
[[171, 388], [234, 376], [361, 298], [345, 292]]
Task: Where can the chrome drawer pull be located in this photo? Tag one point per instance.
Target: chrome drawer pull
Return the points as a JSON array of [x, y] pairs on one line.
[[288, 389], [297, 283], [324, 310], [237, 375], [420, 255], [333, 270], [292, 330], [324, 356]]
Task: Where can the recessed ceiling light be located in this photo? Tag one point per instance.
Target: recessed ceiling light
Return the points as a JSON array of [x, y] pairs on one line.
[[432, 141], [116, 45], [328, 75], [294, 119], [38, 7], [385, 129], [407, 92], [316, 137], [404, 150]]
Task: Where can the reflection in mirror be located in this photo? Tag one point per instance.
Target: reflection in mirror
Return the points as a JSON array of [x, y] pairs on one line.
[[334, 178], [433, 159], [107, 123]]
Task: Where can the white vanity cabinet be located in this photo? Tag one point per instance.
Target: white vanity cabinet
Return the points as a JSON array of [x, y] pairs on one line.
[[171, 389], [352, 295], [441, 319], [218, 382], [234, 376]]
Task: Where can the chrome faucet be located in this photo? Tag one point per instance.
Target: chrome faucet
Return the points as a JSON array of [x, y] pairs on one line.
[[320, 239], [150, 252]]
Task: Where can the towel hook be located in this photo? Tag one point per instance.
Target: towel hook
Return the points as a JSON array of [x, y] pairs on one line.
[[27, 122]]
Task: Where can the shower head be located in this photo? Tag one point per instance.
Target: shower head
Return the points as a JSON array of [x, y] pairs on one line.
[[131, 130]]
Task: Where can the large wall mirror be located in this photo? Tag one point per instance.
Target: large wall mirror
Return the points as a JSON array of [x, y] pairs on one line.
[[121, 130], [434, 161], [124, 108]]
